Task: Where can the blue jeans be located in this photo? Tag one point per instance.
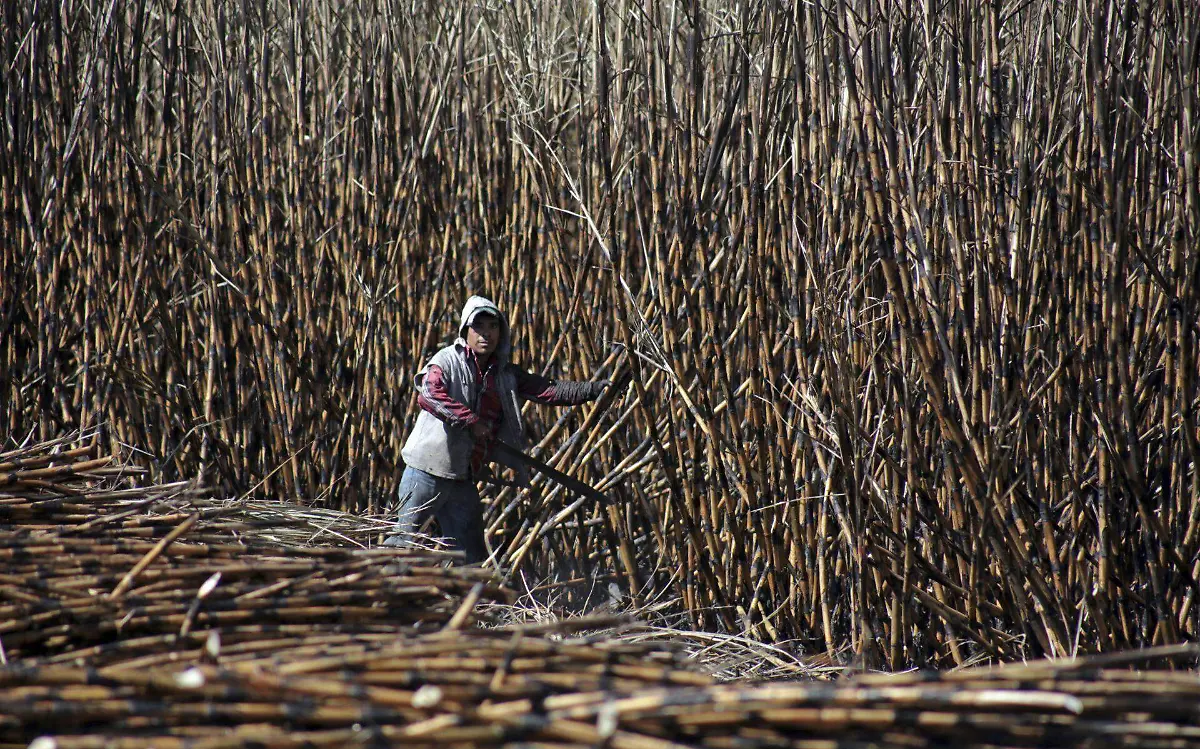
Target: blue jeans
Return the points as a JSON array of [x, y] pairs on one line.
[[455, 504]]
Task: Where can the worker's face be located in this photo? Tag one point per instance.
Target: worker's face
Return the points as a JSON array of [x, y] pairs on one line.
[[483, 335]]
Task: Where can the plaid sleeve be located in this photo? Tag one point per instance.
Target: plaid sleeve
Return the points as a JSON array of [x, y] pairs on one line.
[[435, 398], [540, 389]]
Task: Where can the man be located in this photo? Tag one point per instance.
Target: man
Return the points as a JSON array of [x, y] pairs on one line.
[[470, 395]]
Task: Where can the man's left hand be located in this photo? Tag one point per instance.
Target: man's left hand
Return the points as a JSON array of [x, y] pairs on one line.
[[598, 387]]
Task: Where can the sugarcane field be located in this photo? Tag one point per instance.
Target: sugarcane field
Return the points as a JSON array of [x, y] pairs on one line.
[[613, 373]]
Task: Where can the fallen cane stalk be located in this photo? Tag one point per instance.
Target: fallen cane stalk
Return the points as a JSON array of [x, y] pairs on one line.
[[153, 554]]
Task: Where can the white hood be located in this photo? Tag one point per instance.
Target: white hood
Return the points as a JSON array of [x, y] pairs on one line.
[[475, 306]]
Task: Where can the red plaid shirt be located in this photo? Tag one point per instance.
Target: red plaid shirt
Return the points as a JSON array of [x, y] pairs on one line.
[[490, 411]]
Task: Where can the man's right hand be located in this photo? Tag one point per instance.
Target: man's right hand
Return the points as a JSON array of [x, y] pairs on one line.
[[481, 430]]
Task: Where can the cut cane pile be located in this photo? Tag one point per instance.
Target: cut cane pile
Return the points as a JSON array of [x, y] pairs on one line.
[[158, 617]]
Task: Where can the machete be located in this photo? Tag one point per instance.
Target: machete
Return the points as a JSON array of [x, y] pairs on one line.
[[550, 472]]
